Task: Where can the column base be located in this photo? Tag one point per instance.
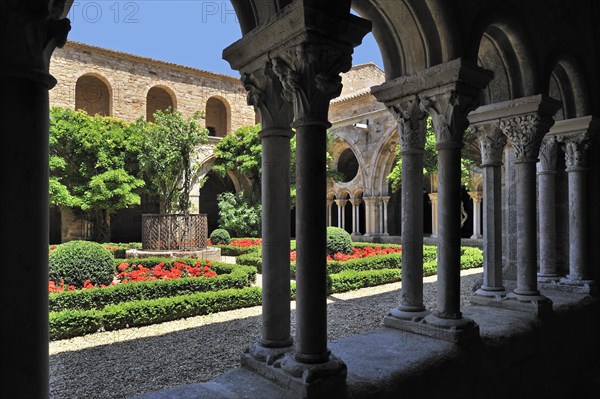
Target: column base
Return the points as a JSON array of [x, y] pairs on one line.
[[485, 295], [405, 314], [476, 237], [265, 354], [536, 303], [578, 286], [458, 331], [303, 380], [548, 278]]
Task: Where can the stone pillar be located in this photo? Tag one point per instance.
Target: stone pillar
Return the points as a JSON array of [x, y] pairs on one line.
[[526, 132], [341, 203], [576, 147], [355, 215], [328, 211], [476, 197], [448, 92], [411, 119], [371, 215], [492, 142], [308, 65], [30, 33], [384, 204], [265, 94], [434, 213], [546, 175]]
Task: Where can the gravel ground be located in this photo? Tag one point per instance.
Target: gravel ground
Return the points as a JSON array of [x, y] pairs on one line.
[[121, 364]]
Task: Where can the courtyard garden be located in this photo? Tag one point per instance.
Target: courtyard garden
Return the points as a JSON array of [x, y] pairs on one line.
[[92, 287]]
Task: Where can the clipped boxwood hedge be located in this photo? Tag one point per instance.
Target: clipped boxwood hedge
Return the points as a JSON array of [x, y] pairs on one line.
[[71, 323], [229, 276], [253, 259], [348, 280], [229, 250]]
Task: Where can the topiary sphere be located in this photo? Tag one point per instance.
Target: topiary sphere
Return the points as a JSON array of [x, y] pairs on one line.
[[338, 240], [78, 261], [220, 237]]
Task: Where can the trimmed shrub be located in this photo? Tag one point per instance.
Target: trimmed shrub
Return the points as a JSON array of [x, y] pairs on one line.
[[338, 240], [349, 280], [229, 276], [253, 259], [220, 236], [71, 323], [78, 261], [229, 250]]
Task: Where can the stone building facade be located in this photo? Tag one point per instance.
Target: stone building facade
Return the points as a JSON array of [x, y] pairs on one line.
[[127, 86]]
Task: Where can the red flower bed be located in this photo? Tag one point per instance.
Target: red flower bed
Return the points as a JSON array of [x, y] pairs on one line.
[[127, 273], [241, 242], [357, 253], [132, 273]]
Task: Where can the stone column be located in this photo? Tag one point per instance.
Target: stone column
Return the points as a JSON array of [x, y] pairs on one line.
[[309, 72], [30, 33], [265, 94], [328, 212], [384, 204], [576, 147], [546, 177], [526, 132], [491, 142], [355, 215], [411, 119], [341, 203], [477, 197], [371, 215], [434, 214]]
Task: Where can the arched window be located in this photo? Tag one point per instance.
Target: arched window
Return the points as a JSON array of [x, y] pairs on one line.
[[348, 165], [217, 117], [93, 95], [158, 98]]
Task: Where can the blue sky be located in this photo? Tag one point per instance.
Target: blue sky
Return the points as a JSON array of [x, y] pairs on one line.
[[187, 32]]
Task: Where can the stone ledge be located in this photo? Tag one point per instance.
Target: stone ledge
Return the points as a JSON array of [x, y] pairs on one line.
[[518, 353]]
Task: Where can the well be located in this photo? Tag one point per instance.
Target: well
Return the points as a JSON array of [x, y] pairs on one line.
[[168, 232]]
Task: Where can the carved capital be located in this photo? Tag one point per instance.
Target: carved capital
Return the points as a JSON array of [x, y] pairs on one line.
[[412, 122], [30, 31], [526, 133], [355, 201], [491, 143], [476, 196], [341, 202], [266, 94], [309, 75], [449, 110], [576, 148], [547, 156]]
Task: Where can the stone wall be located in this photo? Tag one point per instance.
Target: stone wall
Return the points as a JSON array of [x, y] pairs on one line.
[[129, 79]]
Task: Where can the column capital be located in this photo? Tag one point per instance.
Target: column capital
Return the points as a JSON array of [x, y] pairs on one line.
[[433, 196], [265, 93], [355, 201], [341, 202], [547, 156], [370, 200], [576, 147], [412, 122], [385, 199], [476, 196], [329, 202], [31, 31], [531, 118], [491, 143]]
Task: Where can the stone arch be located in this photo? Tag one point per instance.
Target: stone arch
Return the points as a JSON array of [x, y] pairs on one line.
[[383, 164], [347, 165], [159, 98], [93, 94], [564, 81], [501, 45], [218, 116], [214, 185], [412, 34]]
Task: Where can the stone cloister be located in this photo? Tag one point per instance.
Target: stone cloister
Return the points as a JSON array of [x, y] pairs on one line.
[[522, 75]]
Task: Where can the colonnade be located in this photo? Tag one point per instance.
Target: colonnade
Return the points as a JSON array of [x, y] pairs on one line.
[[376, 214]]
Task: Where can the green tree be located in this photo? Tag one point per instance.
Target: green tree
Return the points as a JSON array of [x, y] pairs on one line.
[[238, 216], [91, 166], [166, 156], [430, 158]]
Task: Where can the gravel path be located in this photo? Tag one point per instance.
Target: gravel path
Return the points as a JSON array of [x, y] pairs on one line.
[[121, 364]]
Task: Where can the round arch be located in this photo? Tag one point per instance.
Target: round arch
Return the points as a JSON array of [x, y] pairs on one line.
[[500, 44], [218, 116], [384, 162], [93, 94], [564, 81], [159, 98]]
